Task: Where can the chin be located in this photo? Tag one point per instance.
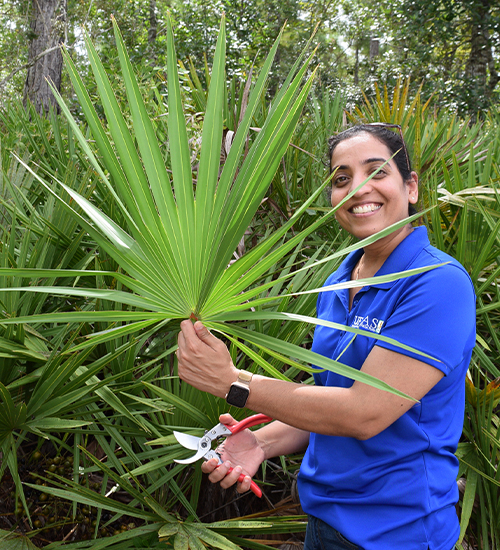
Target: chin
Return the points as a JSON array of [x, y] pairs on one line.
[[364, 233]]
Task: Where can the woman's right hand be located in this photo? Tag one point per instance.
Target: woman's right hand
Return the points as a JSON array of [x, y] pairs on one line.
[[242, 452]]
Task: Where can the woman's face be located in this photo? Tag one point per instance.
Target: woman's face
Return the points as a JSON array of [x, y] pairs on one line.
[[380, 202]]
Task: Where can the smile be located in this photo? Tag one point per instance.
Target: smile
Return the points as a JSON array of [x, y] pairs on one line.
[[365, 208]]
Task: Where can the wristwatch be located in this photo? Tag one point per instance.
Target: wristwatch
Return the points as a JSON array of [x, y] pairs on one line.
[[240, 390]]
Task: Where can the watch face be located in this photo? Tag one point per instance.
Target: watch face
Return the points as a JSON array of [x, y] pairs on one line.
[[237, 395]]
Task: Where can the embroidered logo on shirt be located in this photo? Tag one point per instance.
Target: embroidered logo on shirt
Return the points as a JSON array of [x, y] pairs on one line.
[[373, 325]]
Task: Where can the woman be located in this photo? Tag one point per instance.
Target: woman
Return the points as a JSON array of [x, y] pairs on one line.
[[379, 472]]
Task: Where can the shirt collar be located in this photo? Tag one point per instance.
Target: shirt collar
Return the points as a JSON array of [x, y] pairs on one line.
[[399, 259], [402, 256]]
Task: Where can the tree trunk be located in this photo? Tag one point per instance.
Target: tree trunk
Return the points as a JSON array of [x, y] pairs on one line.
[[152, 32], [374, 47], [47, 23], [478, 58], [153, 23], [481, 65], [356, 65]]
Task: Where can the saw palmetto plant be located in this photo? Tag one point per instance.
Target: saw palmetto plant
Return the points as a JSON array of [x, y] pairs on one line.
[[164, 217], [174, 237]]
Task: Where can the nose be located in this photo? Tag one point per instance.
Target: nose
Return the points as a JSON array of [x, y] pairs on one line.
[[356, 181]]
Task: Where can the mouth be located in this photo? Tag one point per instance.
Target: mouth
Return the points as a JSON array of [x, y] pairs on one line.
[[365, 208]]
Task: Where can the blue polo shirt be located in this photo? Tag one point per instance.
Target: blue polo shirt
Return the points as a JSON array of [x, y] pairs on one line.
[[396, 490]]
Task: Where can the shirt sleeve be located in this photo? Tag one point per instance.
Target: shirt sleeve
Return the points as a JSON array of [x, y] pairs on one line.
[[435, 314]]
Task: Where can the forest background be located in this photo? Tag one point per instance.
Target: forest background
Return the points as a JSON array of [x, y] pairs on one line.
[[88, 389], [449, 47]]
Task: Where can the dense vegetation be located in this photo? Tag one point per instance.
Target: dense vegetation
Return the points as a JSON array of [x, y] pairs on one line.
[[104, 249], [449, 47]]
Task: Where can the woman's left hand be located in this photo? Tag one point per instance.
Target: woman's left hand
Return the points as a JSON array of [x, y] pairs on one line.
[[204, 360]]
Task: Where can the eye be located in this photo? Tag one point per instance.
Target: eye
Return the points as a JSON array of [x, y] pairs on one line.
[[340, 180], [379, 173]]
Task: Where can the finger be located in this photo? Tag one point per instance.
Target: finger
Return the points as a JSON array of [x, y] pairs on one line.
[[220, 472], [209, 466], [231, 478], [244, 486], [192, 341], [187, 329], [181, 340]]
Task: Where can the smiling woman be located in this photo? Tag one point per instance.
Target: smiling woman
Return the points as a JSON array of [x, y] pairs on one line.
[[387, 198], [379, 471]]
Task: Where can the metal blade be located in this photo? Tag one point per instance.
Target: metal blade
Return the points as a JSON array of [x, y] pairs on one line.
[[194, 443], [189, 441], [200, 454]]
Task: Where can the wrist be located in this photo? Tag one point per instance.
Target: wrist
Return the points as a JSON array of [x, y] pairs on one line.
[[264, 444], [239, 389]]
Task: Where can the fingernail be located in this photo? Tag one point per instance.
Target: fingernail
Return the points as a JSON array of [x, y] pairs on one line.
[[238, 469]]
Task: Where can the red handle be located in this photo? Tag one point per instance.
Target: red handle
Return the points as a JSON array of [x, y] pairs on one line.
[[243, 425], [249, 422], [239, 427], [253, 486]]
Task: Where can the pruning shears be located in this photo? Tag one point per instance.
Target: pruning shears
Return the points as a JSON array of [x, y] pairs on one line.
[[203, 445]]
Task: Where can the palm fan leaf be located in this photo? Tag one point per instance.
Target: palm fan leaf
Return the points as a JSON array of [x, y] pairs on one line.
[[175, 237]]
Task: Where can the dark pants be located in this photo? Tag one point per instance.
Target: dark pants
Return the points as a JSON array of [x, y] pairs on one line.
[[320, 536]]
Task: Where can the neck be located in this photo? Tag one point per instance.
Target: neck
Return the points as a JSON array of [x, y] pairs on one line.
[[377, 253]]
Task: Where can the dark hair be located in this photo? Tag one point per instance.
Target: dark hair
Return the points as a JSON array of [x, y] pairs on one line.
[[392, 140]]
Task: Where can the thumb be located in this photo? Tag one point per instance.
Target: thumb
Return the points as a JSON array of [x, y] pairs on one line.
[[227, 419], [204, 334]]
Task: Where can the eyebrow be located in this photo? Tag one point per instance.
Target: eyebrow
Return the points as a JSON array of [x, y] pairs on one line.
[[364, 162]]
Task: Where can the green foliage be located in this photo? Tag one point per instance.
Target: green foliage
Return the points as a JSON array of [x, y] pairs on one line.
[[164, 244], [122, 389], [86, 357], [450, 48], [10, 541], [479, 454]]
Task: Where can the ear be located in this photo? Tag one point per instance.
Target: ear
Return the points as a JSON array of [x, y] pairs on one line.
[[412, 184]]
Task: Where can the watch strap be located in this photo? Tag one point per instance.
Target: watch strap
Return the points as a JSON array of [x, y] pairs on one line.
[[244, 377]]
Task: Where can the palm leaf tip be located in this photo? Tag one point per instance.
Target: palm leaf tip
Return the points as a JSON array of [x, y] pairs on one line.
[[174, 245]]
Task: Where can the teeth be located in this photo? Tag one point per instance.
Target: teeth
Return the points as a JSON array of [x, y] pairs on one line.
[[364, 208]]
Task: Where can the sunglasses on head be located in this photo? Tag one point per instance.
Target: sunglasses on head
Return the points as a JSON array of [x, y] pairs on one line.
[[398, 127]]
